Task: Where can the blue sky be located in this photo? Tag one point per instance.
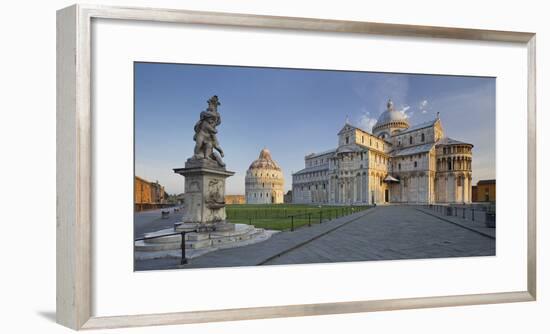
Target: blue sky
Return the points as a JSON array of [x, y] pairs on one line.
[[293, 113]]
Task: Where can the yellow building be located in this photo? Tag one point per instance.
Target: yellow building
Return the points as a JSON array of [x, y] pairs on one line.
[[148, 195], [235, 199], [485, 191]]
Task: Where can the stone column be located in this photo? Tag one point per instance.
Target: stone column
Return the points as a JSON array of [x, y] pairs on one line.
[[463, 179]]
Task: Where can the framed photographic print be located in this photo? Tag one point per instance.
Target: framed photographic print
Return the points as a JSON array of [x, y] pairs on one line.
[[216, 167]]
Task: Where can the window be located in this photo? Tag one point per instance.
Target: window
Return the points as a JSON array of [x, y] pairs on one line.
[[362, 139], [370, 141], [459, 182], [423, 138], [415, 164], [449, 165], [410, 140], [347, 140], [399, 166]]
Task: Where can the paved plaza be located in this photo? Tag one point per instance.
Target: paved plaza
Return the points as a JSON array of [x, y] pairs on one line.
[[391, 233], [151, 221], [382, 233]]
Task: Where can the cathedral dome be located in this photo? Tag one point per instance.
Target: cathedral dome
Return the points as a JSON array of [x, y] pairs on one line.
[[390, 121], [264, 161]]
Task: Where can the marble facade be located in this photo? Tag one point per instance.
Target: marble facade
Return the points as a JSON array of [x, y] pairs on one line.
[[396, 163], [264, 181]]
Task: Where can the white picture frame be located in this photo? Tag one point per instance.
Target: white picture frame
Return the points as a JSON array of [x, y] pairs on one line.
[[74, 161]]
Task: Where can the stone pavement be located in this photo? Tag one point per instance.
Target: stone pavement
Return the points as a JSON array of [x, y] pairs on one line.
[[255, 254], [151, 221], [382, 233], [391, 233], [476, 225]]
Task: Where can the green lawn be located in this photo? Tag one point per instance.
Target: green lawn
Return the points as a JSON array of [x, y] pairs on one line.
[[283, 216]]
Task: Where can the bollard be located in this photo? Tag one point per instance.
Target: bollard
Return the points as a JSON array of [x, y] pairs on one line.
[[321, 217], [309, 219], [249, 221], [329, 214], [291, 223], [183, 256]]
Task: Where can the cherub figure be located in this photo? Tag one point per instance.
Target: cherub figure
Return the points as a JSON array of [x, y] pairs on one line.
[[205, 134]]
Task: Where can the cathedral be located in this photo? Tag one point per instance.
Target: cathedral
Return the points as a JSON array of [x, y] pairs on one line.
[[396, 163]]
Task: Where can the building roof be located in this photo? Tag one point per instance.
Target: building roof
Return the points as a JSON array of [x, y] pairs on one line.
[[312, 169], [486, 182], [390, 178], [264, 161], [349, 148], [450, 141], [419, 126], [312, 155], [412, 150]]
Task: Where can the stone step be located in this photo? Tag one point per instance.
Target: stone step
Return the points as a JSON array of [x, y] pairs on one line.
[[198, 240]]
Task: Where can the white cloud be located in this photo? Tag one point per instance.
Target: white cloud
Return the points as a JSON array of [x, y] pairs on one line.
[[366, 122], [405, 111], [423, 106]]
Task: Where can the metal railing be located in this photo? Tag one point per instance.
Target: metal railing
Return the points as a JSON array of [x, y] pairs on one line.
[[308, 218], [311, 218], [480, 213], [182, 233]]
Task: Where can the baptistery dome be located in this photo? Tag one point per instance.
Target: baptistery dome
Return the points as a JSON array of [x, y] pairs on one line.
[[390, 122], [264, 181], [264, 161]]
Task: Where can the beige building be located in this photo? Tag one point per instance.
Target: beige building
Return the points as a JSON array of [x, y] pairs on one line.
[[396, 163], [264, 181], [484, 191], [235, 199], [148, 195]]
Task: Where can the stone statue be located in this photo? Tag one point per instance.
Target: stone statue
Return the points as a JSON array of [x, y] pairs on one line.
[[390, 105], [205, 134]]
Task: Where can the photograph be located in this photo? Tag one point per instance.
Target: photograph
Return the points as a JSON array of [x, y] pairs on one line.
[[250, 166]]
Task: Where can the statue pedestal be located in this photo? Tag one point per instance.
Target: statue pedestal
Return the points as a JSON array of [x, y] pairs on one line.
[[204, 196], [204, 218]]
